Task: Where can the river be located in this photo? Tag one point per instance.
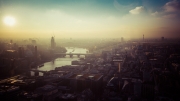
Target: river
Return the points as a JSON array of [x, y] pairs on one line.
[[62, 61]]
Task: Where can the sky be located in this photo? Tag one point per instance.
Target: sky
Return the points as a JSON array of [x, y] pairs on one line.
[[90, 18]]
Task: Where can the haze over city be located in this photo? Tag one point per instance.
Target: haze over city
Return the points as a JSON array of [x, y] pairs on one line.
[[89, 18], [89, 50]]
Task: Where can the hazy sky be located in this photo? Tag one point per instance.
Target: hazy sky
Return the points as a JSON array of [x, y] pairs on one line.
[[90, 18]]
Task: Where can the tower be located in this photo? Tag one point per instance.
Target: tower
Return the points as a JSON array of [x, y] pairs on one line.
[[119, 67], [35, 52], [52, 43], [162, 38], [122, 39], [143, 37], [20, 52], [11, 41]]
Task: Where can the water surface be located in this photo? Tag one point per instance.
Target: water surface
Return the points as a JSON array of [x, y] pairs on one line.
[[62, 61]]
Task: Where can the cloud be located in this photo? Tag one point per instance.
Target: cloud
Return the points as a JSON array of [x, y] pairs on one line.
[[170, 11], [137, 10], [172, 6], [155, 13]]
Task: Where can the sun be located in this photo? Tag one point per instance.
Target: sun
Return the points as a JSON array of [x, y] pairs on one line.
[[9, 20]]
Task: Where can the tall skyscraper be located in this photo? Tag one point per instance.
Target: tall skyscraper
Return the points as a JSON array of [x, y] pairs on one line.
[[20, 52], [53, 44], [143, 37], [122, 39], [11, 41], [35, 52], [162, 38]]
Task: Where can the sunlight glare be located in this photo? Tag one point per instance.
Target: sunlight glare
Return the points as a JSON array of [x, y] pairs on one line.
[[9, 20]]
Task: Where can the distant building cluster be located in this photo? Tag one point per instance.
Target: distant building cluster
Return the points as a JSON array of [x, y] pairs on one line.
[[17, 58], [127, 71]]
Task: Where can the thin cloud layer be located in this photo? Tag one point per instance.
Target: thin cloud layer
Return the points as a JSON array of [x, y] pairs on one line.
[[122, 8], [90, 17]]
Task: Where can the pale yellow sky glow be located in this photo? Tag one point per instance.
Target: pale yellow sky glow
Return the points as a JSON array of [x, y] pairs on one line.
[[91, 19]]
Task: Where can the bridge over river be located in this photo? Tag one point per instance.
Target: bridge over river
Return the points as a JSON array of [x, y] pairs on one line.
[[72, 54]]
